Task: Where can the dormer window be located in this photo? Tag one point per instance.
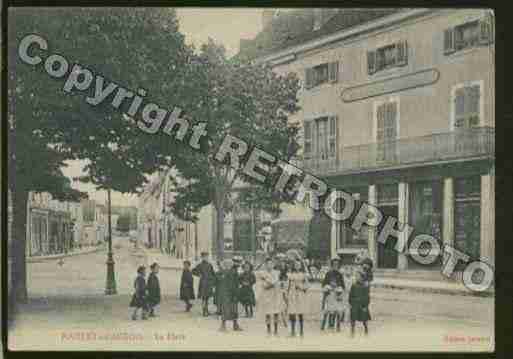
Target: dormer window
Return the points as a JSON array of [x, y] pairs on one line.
[[321, 74], [386, 57], [468, 35]]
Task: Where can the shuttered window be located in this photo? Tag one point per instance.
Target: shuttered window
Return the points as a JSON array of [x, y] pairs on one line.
[[321, 138], [320, 74], [332, 137], [469, 35], [466, 107], [386, 134], [386, 57]]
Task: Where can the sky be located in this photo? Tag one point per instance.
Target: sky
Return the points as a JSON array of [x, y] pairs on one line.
[[225, 26]]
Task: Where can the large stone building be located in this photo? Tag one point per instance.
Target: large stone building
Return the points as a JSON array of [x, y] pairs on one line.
[[397, 107]]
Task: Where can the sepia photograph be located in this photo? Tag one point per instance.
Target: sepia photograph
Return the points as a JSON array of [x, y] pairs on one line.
[[249, 179]]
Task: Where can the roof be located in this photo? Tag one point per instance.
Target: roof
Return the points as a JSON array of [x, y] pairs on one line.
[[296, 28]]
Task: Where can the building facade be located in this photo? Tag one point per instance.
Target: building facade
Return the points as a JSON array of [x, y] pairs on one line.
[[397, 108]]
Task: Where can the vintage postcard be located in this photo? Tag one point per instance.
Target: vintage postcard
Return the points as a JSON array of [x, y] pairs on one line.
[[250, 179]]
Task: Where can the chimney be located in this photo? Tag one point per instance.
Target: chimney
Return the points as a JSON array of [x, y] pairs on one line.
[[267, 17]]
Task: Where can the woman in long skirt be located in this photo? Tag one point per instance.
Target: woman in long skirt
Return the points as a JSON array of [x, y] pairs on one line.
[[297, 298]]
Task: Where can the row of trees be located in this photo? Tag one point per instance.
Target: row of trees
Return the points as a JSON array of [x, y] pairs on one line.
[[138, 48]]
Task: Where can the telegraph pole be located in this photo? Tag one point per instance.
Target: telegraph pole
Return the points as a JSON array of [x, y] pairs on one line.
[[110, 287]]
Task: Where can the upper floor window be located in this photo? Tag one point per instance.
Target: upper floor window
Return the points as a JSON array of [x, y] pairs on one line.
[[320, 138], [320, 74], [468, 35], [386, 131], [467, 106], [388, 56]]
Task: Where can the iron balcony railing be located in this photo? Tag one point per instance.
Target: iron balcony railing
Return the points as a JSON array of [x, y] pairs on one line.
[[450, 146]]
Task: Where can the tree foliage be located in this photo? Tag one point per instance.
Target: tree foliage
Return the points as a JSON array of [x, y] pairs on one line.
[[136, 48], [250, 102]]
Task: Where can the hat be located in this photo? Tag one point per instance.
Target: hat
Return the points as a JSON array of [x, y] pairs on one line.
[[154, 265], [237, 259], [335, 259], [204, 253]]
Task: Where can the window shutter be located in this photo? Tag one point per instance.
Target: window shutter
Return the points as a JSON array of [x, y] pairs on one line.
[[333, 136], [402, 53], [307, 138], [333, 72], [380, 122], [485, 30], [392, 112], [308, 78], [371, 62], [449, 41]]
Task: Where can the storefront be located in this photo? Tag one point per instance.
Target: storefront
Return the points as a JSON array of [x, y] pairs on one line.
[[467, 216], [425, 215]]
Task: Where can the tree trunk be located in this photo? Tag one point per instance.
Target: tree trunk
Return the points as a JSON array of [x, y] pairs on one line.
[[18, 248], [220, 231]]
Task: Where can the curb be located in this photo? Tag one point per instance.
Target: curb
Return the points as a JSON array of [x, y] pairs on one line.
[[63, 255]]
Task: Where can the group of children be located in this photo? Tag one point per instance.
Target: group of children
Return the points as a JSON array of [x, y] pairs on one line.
[[146, 293], [346, 294], [283, 292]]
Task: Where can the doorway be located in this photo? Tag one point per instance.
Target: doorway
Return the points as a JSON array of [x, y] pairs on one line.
[[387, 256]]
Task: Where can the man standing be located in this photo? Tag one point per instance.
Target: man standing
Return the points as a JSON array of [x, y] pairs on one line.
[[205, 271], [228, 287]]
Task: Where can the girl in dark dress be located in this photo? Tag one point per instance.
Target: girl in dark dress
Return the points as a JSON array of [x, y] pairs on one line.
[[153, 288], [139, 297], [247, 294], [187, 286], [359, 300]]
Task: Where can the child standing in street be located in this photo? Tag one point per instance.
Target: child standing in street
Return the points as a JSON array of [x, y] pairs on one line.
[[153, 289], [247, 294], [187, 286], [297, 298], [269, 300], [359, 300], [139, 297], [333, 305]]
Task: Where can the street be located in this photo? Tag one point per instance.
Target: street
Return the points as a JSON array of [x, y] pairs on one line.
[[68, 310]]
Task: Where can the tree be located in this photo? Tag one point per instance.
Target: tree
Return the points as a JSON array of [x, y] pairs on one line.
[[137, 48], [248, 101]]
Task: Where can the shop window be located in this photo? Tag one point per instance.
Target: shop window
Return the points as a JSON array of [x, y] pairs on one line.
[[467, 216], [349, 237]]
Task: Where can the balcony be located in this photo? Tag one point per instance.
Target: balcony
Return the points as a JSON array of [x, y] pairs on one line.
[[476, 143]]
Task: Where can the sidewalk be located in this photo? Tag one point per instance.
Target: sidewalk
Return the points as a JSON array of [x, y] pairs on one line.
[[87, 250], [426, 286]]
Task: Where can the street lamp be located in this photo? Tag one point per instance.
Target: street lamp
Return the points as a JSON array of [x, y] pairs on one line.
[[110, 287]]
